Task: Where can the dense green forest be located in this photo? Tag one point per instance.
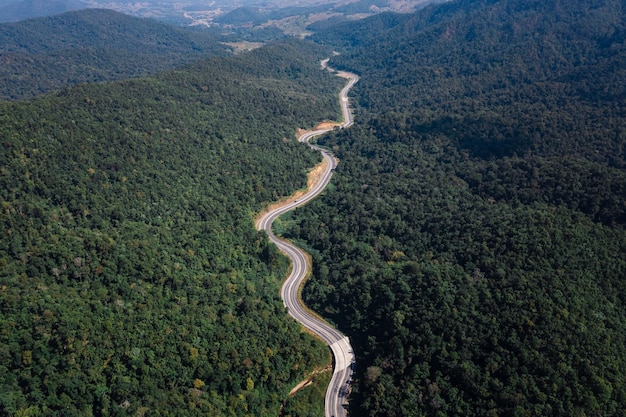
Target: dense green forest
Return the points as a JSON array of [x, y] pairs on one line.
[[473, 242], [132, 280], [92, 45]]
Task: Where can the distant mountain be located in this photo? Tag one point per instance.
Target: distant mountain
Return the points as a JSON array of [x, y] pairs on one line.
[[27, 9], [309, 14], [291, 17], [242, 15], [91, 45]]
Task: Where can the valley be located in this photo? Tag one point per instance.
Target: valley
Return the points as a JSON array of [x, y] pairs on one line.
[[470, 245]]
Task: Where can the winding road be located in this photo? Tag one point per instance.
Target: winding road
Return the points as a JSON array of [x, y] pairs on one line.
[[339, 387]]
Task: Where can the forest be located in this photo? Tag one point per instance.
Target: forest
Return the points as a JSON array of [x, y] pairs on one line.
[[93, 45], [132, 279], [473, 242]]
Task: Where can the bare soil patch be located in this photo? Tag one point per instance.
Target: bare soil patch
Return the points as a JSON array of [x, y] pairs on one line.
[[309, 380], [243, 46]]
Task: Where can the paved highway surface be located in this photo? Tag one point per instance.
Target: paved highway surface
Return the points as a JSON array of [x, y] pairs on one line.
[[337, 392]]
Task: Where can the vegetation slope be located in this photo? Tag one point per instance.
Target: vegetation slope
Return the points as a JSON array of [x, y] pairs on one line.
[[92, 45], [132, 280], [473, 246]]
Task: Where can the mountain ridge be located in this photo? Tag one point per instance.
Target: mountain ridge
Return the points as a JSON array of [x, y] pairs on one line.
[[92, 45]]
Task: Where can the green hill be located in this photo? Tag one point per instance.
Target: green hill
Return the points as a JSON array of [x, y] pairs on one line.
[[474, 245], [132, 280], [92, 45]]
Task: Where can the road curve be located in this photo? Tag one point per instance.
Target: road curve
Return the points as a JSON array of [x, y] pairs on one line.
[[339, 387]]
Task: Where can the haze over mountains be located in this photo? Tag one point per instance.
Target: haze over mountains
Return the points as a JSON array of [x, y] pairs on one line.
[[15, 10], [196, 12]]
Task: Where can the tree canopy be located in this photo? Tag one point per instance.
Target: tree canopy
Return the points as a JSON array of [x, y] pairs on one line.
[[92, 45], [473, 243], [132, 280]]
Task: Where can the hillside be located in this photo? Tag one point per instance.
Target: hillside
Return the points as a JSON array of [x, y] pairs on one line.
[[132, 280], [288, 15], [92, 45], [474, 245], [302, 20]]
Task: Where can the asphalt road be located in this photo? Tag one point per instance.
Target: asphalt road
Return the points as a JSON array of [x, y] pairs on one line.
[[339, 387]]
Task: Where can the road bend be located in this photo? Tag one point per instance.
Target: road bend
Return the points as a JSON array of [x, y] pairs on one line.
[[336, 401]]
